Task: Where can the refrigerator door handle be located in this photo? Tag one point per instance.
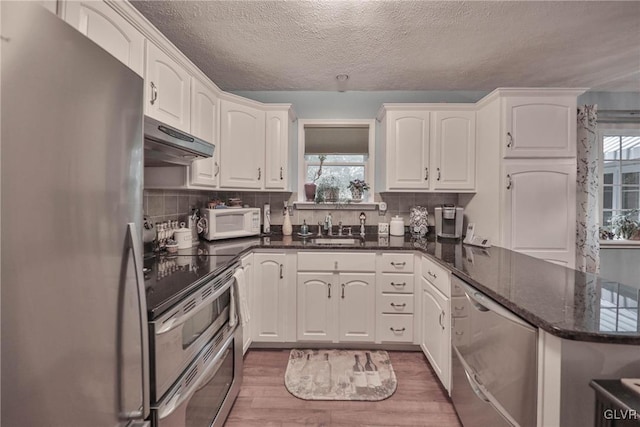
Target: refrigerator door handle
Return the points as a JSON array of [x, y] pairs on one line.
[[134, 246]]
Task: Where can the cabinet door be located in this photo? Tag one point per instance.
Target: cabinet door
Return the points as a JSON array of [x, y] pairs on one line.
[[436, 331], [204, 124], [317, 297], [242, 138], [167, 89], [277, 150], [103, 25], [268, 323], [247, 332], [540, 127], [407, 150], [454, 147], [357, 307], [540, 210]]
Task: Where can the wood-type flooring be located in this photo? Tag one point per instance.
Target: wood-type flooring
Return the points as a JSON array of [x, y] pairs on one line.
[[264, 401]]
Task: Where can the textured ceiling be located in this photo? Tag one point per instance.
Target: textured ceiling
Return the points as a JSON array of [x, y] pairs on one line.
[[406, 45]]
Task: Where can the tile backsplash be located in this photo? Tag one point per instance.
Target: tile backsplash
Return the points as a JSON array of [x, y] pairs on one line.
[[165, 205]]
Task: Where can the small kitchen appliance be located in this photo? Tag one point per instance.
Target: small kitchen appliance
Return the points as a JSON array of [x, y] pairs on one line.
[[229, 223], [449, 221]]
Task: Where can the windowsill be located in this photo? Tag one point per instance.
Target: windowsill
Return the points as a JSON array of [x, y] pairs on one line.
[[362, 206], [620, 244]]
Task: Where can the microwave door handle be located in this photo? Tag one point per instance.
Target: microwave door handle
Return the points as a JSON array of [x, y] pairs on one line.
[[174, 322], [185, 395], [134, 247]]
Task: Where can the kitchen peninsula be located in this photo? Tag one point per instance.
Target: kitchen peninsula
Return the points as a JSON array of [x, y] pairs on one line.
[[570, 309]]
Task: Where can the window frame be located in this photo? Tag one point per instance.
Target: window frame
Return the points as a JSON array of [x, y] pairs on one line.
[[369, 165], [604, 130]]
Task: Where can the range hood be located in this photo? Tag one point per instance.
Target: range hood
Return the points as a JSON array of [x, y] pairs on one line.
[[165, 145]]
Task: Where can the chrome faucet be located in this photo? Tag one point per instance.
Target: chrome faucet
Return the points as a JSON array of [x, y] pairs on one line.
[[363, 218]]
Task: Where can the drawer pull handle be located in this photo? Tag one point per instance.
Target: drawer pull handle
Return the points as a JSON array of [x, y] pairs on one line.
[[403, 284], [459, 308], [459, 333], [343, 291], [281, 176], [329, 287], [394, 305], [397, 330], [432, 274], [509, 140], [426, 174], [281, 272], [398, 264]]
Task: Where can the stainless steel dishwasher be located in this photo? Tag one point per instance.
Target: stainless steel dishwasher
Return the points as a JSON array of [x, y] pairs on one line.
[[494, 366]]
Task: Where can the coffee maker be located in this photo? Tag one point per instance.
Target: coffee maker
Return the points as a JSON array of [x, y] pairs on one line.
[[449, 221]]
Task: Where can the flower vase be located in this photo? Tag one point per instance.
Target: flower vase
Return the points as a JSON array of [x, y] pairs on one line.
[[356, 195], [310, 191]]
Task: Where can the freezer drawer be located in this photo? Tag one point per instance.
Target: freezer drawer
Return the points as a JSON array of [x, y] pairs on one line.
[[499, 352]]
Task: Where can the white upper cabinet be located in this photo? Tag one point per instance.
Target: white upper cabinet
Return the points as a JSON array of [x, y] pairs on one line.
[[204, 124], [454, 150], [407, 150], [167, 89], [540, 206], [108, 29], [539, 126], [242, 139], [276, 150]]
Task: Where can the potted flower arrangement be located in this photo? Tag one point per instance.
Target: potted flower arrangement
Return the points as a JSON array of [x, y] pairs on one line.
[[328, 190], [310, 187], [357, 187], [625, 226]]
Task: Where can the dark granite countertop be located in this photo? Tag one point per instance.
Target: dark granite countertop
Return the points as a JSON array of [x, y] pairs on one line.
[[564, 302]]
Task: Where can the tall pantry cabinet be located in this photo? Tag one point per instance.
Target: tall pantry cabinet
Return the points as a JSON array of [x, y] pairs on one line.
[[526, 172]]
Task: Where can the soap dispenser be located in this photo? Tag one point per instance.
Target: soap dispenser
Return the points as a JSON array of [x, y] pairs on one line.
[[287, 228]]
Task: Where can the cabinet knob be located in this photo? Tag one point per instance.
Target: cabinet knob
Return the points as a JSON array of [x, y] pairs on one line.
[[509, 140]]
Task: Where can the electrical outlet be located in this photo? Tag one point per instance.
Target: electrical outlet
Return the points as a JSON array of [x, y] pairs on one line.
[[383, 228]]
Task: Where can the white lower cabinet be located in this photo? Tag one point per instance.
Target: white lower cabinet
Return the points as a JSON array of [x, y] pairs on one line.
[[336, 307], [246, 262], [436, 330], [270, 297]]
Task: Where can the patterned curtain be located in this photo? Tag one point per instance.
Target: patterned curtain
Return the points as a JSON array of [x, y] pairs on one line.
[[587, 212]]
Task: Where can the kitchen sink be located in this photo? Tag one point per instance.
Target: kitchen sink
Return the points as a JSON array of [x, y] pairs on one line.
[[347, 241]]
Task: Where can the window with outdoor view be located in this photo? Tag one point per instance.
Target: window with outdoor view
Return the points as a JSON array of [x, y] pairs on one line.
[[620, 177], [336, 158]]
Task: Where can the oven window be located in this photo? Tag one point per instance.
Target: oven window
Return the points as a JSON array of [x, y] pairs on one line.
[[206, 402], [205, 317]]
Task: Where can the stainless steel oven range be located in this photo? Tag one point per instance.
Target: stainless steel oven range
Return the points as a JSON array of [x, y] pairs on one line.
[[196, 356]]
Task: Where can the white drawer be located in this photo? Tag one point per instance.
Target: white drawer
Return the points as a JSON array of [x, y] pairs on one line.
[[437, 275], [459, 306], [395, 304], [336, 261], [397, 283], [456, 289], [395, 327], [396, 263], [460, 331]]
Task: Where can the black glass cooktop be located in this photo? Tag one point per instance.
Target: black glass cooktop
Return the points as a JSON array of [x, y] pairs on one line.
[[169, 278]]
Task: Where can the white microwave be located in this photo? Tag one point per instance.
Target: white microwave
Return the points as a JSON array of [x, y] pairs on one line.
[[230, 223]]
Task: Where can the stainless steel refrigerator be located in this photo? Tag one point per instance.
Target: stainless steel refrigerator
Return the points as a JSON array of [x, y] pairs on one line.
[[74, 344]]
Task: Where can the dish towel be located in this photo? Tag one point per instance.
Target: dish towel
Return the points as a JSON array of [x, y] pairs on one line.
[[240, 296]]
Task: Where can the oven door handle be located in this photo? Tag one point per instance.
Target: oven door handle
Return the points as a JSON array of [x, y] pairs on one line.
[[174, 322], [185, 395]]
